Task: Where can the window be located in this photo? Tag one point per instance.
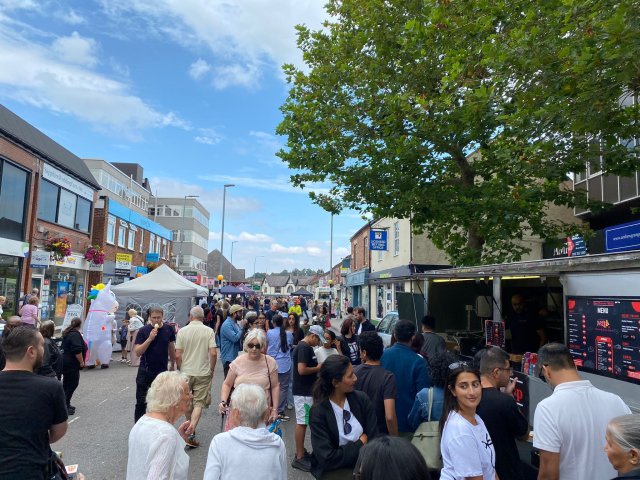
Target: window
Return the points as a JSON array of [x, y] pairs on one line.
[[277, 289], [163, 253], [396, 239], [83, 214], [122, 233], [131, 240], [13, 201], [141, 239], [48, 201], [380, 255], [57, 205], [355, 256], [152, 241], [111, 230]]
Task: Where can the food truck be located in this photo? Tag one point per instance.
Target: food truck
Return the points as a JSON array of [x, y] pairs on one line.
[[591, 303]]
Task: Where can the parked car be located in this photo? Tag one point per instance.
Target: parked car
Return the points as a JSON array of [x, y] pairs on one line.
[[386, 326]]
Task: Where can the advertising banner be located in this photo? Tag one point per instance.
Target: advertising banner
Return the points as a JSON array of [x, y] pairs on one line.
[[378, 240], [123, 264]]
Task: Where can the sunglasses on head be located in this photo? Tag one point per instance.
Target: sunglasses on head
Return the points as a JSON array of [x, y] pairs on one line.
[[455, 365], [250, 346]]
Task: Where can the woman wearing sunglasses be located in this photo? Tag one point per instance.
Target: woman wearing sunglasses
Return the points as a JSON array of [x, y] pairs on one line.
[[341, 420], [255, 368], [466, 447]]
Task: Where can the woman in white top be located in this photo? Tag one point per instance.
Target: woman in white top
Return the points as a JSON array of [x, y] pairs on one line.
[[156, 448], [466, 447], [330, 346]]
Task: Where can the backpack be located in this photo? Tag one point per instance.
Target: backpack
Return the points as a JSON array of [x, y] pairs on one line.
[[427, 439]]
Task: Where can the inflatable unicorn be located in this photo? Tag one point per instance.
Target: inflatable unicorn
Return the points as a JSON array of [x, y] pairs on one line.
[[98, 325]]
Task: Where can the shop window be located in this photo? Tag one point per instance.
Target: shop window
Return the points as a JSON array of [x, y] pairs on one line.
[[67, 209], [111, 230], [48, 201], [132, 239], [122, 233], [13, 199], [83, 214]]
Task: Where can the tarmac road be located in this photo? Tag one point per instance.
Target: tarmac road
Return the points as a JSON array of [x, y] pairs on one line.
[[97, 438]]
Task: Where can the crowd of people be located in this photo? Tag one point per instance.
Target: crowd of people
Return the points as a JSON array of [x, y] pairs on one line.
[[364, 406]]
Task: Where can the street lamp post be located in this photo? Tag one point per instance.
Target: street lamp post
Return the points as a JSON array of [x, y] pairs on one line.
[[181, 233], [254, 268], [231, 261], [224, 201], [330, 266]]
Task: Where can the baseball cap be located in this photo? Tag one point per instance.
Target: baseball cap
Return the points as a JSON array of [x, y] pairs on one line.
[[316, 330], [235, 308]]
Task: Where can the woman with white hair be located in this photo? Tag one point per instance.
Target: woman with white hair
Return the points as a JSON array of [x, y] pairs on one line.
[[156, 448], [255, 368], [135, 324], [249, 450], [623, 445]]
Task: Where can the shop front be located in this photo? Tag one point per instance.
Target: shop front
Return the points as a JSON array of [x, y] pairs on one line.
[[12, 255], [357, 283], [64, 288]]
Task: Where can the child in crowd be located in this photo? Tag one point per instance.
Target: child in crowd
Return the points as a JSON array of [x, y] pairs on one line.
[[122, 340]]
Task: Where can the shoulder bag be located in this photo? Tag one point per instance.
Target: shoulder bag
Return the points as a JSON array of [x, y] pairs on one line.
[[427, 439], [273, 427]]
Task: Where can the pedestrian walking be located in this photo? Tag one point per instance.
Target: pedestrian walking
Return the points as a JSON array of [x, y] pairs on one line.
[[349, 340], [123, 335], [74, 353], [196, 357], [155, 342], [52, 360], [156, 448], [33, 413], [230, 337], [279, 346]]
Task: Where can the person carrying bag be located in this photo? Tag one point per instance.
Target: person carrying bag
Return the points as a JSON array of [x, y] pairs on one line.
[[427, 439]]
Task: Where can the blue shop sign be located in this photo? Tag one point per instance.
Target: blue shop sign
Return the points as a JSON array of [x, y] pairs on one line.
[[378, 240], [152, 257], [622, 237]]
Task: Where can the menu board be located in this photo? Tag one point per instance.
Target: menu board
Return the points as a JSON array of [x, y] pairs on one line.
[[603, 335]]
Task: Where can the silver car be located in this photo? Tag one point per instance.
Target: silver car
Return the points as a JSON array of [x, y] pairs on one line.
[[386, 326]]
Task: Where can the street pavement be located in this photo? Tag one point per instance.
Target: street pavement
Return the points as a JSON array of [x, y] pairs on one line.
[[97, 438]]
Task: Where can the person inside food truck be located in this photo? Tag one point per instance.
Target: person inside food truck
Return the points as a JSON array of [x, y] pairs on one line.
[[527, 329]]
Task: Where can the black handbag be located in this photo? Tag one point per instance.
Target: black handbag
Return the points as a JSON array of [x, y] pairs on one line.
[[55, 467]]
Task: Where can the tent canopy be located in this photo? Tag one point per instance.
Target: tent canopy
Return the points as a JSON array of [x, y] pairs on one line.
[[161, 281], [231, 290], [302, 292]]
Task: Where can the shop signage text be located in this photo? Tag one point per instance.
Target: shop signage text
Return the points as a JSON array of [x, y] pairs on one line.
[[123, 264], [622, 237], [62, 179], [152, 257], [378, 240], [40, 259]]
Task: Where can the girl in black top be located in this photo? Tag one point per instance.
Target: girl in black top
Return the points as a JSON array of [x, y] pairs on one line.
[[349, 340], [341, 420], [75, 350]]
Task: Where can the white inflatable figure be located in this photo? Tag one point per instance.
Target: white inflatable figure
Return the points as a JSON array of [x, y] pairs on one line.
[[98, 326]]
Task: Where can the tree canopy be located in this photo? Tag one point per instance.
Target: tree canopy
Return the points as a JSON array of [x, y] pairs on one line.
[[466, 117]]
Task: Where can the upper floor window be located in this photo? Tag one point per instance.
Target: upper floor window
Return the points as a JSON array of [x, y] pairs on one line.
[[122, 233], [57, 205], [396, 239], [131, 242], [13, 201], [111, 229]]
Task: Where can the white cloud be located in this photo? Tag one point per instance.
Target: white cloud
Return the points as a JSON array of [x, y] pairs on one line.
[[267, 140], [245, 36], [297, 250], [208, 136], [76, 49], [71, 17], [211, 199], [342, 251], [252, 237], [31, 73], [199, 69], [278, 183]]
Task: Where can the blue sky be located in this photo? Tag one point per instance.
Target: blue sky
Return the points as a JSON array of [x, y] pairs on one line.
[[190, 89]]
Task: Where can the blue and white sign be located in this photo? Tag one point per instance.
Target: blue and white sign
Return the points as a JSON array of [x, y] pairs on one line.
[[152, 257], [378, 240], [622, 237]]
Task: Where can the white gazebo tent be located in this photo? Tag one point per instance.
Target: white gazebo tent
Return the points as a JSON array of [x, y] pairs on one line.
[[162, 287]]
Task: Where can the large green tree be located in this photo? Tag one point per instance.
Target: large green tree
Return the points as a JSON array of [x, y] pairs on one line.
[[399, 94]]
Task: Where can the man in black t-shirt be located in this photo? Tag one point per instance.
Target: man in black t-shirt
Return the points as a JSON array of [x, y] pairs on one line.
[[378, 383], [155, 343], [305, 372], [499, 412], [33, 412], [527, 329], [272, 312]]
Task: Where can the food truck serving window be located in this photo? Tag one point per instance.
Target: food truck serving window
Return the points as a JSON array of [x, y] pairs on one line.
[[603, 335]]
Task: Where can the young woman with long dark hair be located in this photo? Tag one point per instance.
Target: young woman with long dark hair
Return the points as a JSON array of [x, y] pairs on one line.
[[279, 345], [341, 420], [75, 350], [293, 326], [466, 447]]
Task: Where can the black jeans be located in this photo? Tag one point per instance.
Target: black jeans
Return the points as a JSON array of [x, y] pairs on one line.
[[144, 379], [225, 368], [70, 381]]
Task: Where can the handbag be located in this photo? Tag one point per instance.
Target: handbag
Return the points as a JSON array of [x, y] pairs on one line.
[[55, 467], [273, 427], [427, 439]]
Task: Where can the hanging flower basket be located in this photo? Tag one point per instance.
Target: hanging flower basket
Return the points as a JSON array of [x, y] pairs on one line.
[[95, 255], [151, 266], [60, 248]]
